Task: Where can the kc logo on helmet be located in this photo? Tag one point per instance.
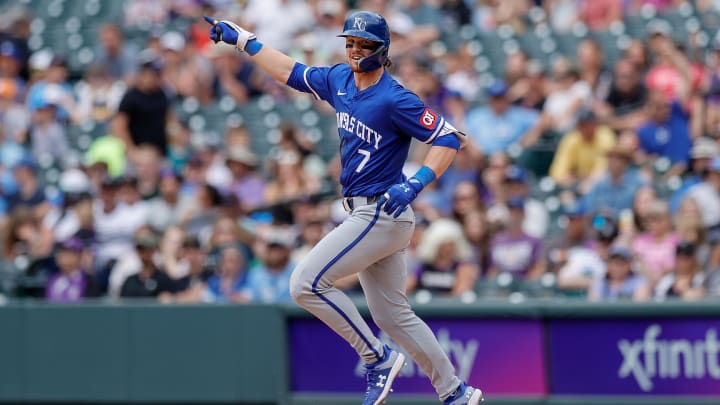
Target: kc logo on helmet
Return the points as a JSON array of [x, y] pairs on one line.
[[428, 118], [359, 24]]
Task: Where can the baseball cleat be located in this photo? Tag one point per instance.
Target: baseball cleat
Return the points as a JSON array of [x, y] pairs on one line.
[[465, 395], [380, 377]]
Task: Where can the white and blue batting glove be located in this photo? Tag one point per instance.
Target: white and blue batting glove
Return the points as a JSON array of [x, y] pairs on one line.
[[230, 33], [399, 196]]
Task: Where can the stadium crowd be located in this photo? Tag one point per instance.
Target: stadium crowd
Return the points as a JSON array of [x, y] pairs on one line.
[[586, 176]]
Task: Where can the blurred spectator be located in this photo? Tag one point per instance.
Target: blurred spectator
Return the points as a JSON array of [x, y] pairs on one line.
[[465, 199], [235, 76], [512, 250], [269, 280], [289, 179], [620, 283], [30, 192], [598, 15], [615, 191], [478, 233], [170, 252], [591, 66], [276, 30], [576, 235], [569, 95], [516, 186], [445, 265], [465, 168], [711, 88], [703, 151], [510, 123], [655, 248], [580, 159], [144, 168], [690, 228], [667, 132], [320, 44], [230, 283], [144, 110], [311, 232], [74, 217], [622, 107], [562, 14], [641, 207], [98, 95], [199, 218], [115, 225], [27, 243], [14, 116], [672, 74], [493, 179], [54, 88], [246, 184], [47, 135], [152, 280], [686, 278], [707, 195], [118, 57], [170, 206], [190, 287], [73, 282]]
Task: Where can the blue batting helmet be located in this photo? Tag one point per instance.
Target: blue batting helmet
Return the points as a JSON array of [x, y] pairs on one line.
[[373, 27]]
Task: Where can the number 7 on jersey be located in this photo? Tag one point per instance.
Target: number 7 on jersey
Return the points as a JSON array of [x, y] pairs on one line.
[[366, 157]]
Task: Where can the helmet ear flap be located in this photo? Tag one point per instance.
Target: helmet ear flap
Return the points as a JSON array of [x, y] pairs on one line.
[[375, 60]]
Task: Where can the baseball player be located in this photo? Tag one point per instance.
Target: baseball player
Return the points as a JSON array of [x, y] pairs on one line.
[[377, 118]]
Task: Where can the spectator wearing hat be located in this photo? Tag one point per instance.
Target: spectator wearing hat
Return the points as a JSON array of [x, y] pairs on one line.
[[445, 265], [115, 225], [73, 217], [580, 159], [30, 192], [614, 191], [151, 280], [515, 185], [707, 196], [246, 184], [170, 206], [144, 110], [619, 283], [72, 283], [575, 237], [685, 280], [269, 279], [46, 133], [655, 248], [514, 252], [703, 151], [11, 66], [54, 89], [510, 124]]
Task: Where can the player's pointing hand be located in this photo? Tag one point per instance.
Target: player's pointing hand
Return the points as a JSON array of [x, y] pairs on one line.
[[229, 32]]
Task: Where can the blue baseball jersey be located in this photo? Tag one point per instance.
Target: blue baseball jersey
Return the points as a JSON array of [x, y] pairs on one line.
[[375, 125]]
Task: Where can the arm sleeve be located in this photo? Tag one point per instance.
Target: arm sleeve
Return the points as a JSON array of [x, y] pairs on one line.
[[312, 80]]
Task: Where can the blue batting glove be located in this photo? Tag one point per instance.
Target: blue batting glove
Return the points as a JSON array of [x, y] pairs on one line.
[[399, 196], [229, 32]]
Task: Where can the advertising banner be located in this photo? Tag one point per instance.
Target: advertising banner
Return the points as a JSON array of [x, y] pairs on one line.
[[504, 357], [635, 356]]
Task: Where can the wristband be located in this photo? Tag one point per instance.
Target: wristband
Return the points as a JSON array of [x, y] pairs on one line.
[[424, 176], [253, 47]]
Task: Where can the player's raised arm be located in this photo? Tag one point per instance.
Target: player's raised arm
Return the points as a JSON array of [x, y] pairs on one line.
[[273, 62]]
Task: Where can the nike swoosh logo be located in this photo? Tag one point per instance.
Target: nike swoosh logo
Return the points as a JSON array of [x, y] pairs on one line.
[[340, 93]]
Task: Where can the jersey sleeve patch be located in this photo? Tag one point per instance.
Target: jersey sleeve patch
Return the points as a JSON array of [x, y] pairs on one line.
[[428, 119]]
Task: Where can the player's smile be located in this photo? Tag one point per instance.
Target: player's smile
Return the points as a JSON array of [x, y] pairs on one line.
[[358, 48]]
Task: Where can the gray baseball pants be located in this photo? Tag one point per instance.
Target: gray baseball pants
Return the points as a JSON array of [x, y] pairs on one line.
[[373, 244]]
